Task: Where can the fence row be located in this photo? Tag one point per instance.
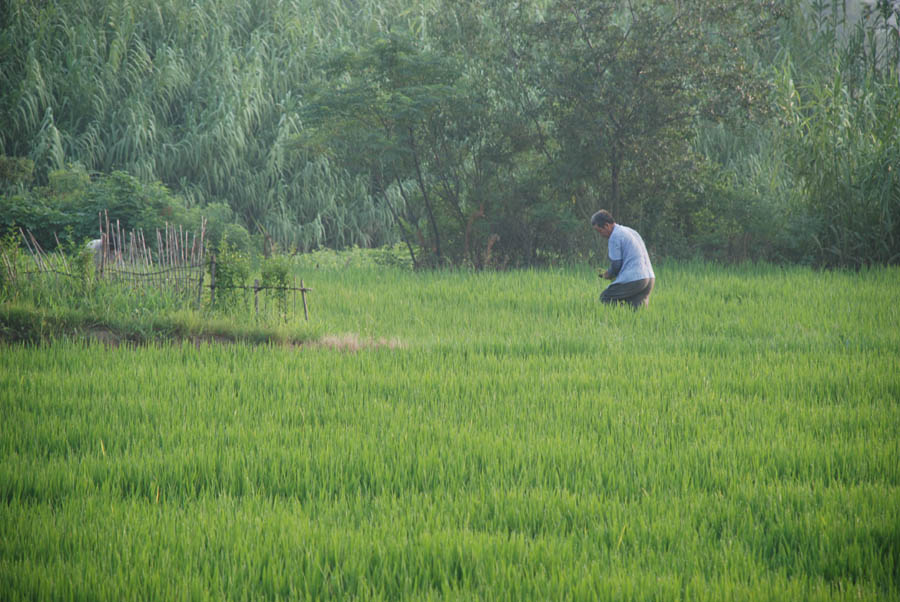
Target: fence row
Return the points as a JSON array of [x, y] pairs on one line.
[[178, 265]]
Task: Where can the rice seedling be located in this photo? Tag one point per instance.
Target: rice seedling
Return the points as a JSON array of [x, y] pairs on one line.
[[737, 440]]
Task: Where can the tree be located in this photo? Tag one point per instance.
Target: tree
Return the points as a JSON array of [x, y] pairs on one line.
[[381, 109], [627, 81]]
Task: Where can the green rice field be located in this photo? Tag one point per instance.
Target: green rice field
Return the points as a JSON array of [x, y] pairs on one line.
[[459, 435]]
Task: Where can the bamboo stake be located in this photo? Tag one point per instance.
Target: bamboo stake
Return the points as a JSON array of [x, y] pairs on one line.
[[199, 283], [167, 241], [45, 260], [160, 256], [148, 260], [148, 263], [104, 243], [62, 255], [119, 244], [10, 266], [177, 251], [182, 250], [34, 256], [169, 263], [164, 254], [202, 248], [303, 294], [102, 237], [131, 264], [156, 260], [212, 284], [256, 297], [179, 263], [173, 249], [108, 248], [170, 255]]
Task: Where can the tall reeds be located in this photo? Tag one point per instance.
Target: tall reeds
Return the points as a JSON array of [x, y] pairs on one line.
[[201, 96]]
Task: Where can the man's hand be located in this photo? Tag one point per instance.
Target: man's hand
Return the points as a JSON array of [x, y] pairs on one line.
[[605, 275]]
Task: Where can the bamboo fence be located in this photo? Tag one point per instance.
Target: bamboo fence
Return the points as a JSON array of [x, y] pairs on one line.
[[177, 263]]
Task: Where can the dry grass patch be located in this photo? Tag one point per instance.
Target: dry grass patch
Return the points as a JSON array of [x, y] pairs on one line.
[[353, 342]]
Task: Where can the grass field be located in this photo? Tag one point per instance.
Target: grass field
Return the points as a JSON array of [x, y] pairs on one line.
[[491, 436]]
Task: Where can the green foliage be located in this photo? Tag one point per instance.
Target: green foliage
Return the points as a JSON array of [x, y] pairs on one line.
[[69, 299], [818, 181], [756, 192], [201, 97], [82, 266], [276, 274], [221, 226], [845, 146], [15, 171], [480, 134], [34, 214], [232, 271], [395, 256], [73, 204], [63, 182], [236, 237], [10, 261], [384, 118], [276, 271], [625, 85], [70, 208]]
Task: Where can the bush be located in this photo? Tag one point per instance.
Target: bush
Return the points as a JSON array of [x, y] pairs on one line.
[[10, 255], [70, 208], [232, 269], [275, 275], [220, 226], [15, 171], [237, 238]]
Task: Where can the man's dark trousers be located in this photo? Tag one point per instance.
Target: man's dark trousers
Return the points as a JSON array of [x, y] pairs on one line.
[[636, 293]]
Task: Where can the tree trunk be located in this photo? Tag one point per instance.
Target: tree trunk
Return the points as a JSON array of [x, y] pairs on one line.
[[424, 189], [409, 246], [615, 167]]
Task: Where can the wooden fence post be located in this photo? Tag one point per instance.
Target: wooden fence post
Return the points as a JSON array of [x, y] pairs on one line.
[[200, 288], [256, 297], [212, 279], [303, 295]]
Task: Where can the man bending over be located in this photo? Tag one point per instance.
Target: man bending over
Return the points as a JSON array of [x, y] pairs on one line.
[[630, 268]]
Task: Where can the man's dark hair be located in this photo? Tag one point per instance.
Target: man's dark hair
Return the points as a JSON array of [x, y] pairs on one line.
[[601, 218]]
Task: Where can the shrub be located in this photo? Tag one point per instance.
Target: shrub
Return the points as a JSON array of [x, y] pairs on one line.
[[10, 255], [69, 209], [275, 274], [232, 268], [15, 171]]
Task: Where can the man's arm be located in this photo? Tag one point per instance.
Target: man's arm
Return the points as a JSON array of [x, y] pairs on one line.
[[615, 255], [613, 270]]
